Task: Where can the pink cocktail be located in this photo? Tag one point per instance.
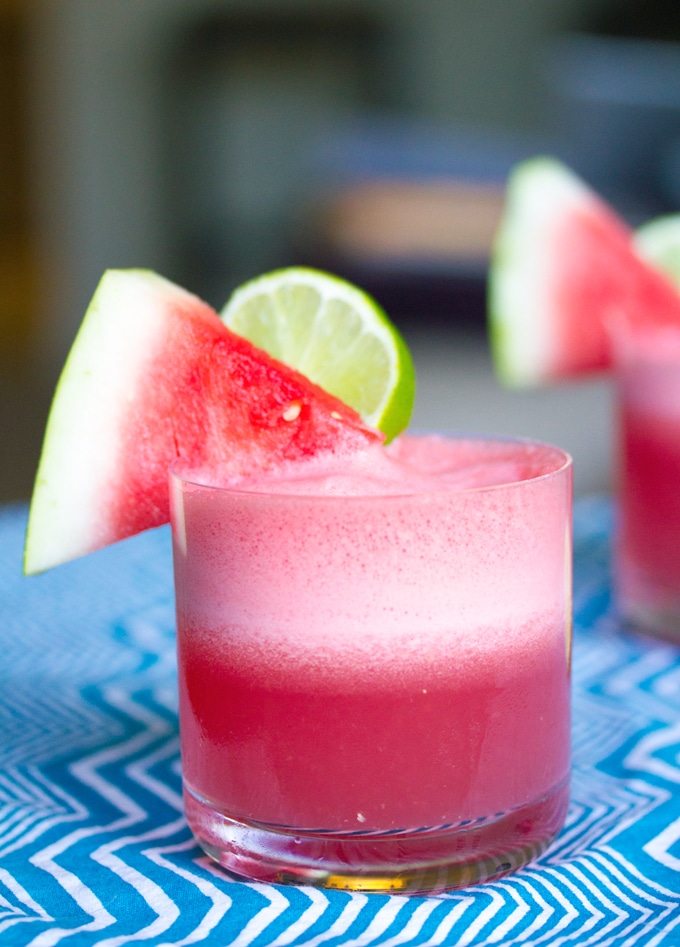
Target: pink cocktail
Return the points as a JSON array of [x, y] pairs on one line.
[[648, 544], [374, 664]]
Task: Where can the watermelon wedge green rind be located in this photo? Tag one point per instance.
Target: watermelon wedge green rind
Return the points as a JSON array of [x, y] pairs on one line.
[[154, 376], [80, 446], [524, 308]]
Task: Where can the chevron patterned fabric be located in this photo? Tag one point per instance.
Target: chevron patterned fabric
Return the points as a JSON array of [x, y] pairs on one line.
[[94, 848]]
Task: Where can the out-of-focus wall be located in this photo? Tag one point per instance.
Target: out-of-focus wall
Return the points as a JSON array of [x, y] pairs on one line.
[[97, 70], [177, 135], [17, 263]]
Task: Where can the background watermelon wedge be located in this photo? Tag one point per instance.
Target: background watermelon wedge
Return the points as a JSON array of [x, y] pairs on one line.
[[565, 277], [153, 376]]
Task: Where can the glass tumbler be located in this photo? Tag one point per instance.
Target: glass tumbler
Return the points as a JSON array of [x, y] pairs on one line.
[[374, 689], [647, 555]]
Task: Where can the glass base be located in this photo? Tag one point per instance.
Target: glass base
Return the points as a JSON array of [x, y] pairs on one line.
[[661, 621], [646, 606], [424, 861]]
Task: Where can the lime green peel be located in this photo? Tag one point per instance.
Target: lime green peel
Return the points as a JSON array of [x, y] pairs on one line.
[[658, 241]]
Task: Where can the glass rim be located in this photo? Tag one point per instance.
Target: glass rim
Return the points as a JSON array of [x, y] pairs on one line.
[[183, 474]]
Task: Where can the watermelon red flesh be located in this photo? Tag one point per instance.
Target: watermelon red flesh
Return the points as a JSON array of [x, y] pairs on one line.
[[602, 288], [155, 376], [217, 402], [565, 279]]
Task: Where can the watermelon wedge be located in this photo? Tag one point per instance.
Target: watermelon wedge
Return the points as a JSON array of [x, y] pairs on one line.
[[566, 276], [153, 376]]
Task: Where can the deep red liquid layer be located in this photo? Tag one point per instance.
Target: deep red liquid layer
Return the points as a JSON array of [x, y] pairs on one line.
[[649, 491], [357, 750]]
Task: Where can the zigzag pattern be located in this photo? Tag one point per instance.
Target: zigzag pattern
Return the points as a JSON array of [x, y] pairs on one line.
[[94, 848]]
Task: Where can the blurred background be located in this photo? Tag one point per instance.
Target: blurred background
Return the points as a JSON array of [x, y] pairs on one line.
[[214, 139]]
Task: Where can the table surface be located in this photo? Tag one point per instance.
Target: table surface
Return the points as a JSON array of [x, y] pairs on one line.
[[94, 848]]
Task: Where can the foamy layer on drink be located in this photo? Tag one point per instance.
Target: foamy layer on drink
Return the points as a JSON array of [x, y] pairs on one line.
[[430, 559], [411, 464]]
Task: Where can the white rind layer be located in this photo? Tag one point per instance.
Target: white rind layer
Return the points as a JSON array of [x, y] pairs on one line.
[[122, 331], [522, 311]]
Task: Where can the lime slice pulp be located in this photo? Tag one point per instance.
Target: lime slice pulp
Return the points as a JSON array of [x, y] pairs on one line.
[[658, 241], [335, 334]]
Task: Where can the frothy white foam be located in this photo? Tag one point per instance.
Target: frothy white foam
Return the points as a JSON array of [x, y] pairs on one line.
[[379, 661], [407, 572], [410, 465]]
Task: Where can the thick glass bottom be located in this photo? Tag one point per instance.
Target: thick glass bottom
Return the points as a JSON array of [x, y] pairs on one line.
[[420, 861], [660, 620], [648, 606]]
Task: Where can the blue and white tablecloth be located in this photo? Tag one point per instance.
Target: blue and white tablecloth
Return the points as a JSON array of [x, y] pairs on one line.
[[94, 848]]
